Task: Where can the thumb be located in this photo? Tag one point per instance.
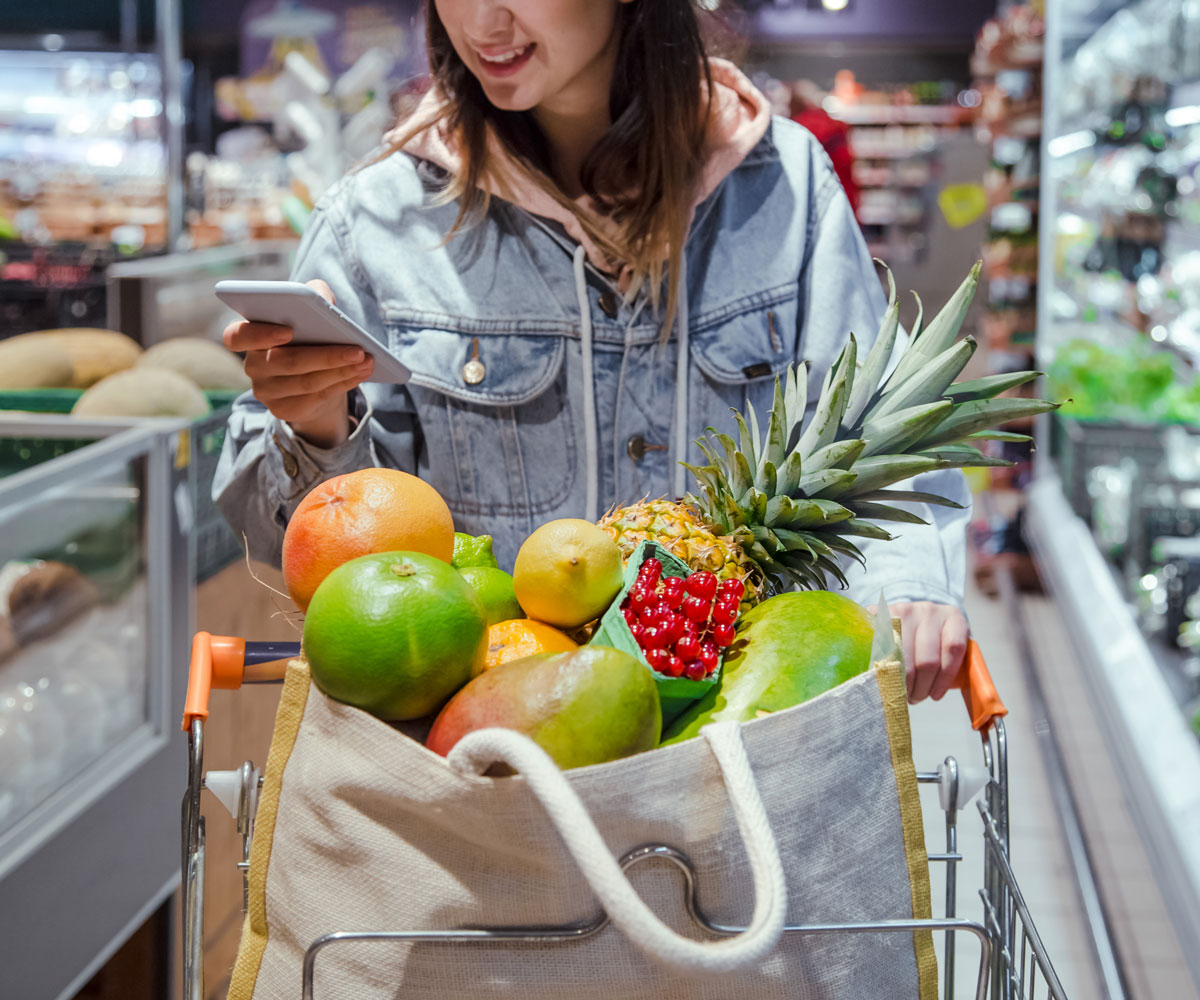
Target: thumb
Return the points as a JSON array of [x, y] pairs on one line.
[[322, 289]]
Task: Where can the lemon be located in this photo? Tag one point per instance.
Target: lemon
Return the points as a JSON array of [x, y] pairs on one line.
[[567, 573], [494, 588]]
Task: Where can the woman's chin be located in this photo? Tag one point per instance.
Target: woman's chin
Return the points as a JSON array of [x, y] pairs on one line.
[[510, 98]]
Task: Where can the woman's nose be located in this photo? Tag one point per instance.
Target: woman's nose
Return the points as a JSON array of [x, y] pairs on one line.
[[486, 21]]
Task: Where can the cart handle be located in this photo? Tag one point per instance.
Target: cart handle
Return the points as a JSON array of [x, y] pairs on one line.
[[224, 662], [979, 693]]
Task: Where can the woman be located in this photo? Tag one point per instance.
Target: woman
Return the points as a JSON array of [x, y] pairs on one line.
[[588, 243]]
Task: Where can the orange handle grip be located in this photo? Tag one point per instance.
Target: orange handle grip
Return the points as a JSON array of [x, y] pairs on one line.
[[217, 662], [979, 693]]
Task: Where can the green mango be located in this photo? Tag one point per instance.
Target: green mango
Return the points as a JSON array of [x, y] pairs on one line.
[[790, 648], [587, 706]]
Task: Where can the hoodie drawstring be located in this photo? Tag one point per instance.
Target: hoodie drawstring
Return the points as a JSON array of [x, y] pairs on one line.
[[591, 444], [681, 382]]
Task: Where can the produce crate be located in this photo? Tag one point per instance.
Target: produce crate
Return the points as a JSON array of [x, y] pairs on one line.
[[1079, 446], [216, 544], [675, 693]]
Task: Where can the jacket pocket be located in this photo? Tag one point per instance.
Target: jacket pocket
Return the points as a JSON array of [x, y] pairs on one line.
[[494, 414], [740, 350]]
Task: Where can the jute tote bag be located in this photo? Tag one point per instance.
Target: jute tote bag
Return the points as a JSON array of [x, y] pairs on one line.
[[808, 815]]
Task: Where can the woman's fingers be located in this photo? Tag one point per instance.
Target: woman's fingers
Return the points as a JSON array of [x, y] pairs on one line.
[[243, 336], [272, 388], [282, 361], [955, 635], [927, 656]]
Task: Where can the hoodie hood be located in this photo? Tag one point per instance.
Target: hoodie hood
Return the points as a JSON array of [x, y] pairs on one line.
[[739, 118]]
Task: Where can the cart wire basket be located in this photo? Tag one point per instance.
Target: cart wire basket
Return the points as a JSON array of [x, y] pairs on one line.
[[1013, 960]]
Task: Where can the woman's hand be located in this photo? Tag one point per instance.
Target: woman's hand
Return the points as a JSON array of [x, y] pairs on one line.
[[934, 638], [304, 386]]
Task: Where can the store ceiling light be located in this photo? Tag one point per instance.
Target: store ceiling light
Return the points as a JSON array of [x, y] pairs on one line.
[[835, 5]]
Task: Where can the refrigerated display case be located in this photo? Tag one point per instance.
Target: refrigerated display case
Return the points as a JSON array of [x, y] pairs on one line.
[[95, 595], [1114, 513]]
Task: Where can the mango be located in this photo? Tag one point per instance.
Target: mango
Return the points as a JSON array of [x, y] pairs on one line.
[[587, 706], [790, 648]]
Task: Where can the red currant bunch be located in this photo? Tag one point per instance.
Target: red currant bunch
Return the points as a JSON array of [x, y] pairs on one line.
[[681, 624]]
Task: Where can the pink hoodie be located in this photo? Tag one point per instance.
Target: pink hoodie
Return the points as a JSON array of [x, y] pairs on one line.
[[739, 119]]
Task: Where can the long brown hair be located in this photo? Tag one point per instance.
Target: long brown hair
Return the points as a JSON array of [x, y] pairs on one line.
[[642, 173]]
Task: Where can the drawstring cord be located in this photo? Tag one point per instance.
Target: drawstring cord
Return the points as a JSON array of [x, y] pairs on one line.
[[591, 445], [681, 381]]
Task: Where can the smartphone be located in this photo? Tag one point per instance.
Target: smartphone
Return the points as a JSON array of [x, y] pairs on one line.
[[313, 320]]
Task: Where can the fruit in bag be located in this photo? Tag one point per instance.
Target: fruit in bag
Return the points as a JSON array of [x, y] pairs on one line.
[[567, 573], [473, 550], [789, 648], [494, 588], [371, 510], [394, 633], [583, 707], [521, 637]]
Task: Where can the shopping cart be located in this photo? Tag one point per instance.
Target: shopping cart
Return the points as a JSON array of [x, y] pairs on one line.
[[1013, 963]]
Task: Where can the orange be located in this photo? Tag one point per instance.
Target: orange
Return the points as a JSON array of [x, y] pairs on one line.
[[521, 637], [372, 510], [394, 633]]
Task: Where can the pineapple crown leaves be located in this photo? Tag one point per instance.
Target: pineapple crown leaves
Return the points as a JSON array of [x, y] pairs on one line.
[[794, 494]]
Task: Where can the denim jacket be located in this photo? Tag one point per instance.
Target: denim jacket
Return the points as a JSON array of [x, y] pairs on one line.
[[579, 404]]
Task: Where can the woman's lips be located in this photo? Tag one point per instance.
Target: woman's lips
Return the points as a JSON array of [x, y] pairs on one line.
[[505, 62]]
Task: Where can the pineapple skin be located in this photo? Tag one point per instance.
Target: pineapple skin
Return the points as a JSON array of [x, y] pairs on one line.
[[679, 528]]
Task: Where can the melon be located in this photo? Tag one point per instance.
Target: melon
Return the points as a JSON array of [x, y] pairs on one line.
[[205, 362], [94, 353], [142, 392], [33, 364]]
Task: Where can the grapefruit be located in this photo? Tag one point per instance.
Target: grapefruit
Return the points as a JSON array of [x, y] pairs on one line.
[[521, 637], [567, 573], [372, 510], [394, 633]]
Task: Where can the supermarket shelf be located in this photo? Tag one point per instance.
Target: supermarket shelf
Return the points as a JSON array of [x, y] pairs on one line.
[[1158, 756], [900, 114]]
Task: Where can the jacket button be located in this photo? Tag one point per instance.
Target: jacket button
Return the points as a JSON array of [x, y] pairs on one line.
[[608, 304], [637, 446], [290, 465]]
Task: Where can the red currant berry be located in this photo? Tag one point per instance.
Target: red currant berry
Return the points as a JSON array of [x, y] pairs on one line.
[[657, 658], [723, 635], [709, 660], [696, 608], [672, 591], [725, 614], [639, 634], [688, 647], [732, 588], [702, 584], [625, 603], [673, 667], [650, 570], [640, 599], [708, 648], [656, 637], [631, 616], [695, 670]]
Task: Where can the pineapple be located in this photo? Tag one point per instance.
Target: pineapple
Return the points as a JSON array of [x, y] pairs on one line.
[[780, 510]]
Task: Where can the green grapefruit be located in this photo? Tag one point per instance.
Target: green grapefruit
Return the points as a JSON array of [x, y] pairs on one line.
[[394, 633]]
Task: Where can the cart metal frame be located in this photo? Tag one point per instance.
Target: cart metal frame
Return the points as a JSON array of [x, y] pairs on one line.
[[1013, 964]]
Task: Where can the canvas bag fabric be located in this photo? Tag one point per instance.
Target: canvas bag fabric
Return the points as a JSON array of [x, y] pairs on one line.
[[360, 828]]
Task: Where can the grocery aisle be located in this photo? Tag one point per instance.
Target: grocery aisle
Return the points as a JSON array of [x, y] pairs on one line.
[[1039, 854]]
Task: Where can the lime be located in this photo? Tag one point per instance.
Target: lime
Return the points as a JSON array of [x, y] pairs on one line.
[[472, 550], [394, 633], [495, 590]]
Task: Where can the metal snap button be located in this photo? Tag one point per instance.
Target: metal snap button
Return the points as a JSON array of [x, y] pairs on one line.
[[473, 371], [609, 304], [637, 446]]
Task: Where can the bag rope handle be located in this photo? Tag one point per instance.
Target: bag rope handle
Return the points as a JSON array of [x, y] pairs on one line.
[[477, 751]]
